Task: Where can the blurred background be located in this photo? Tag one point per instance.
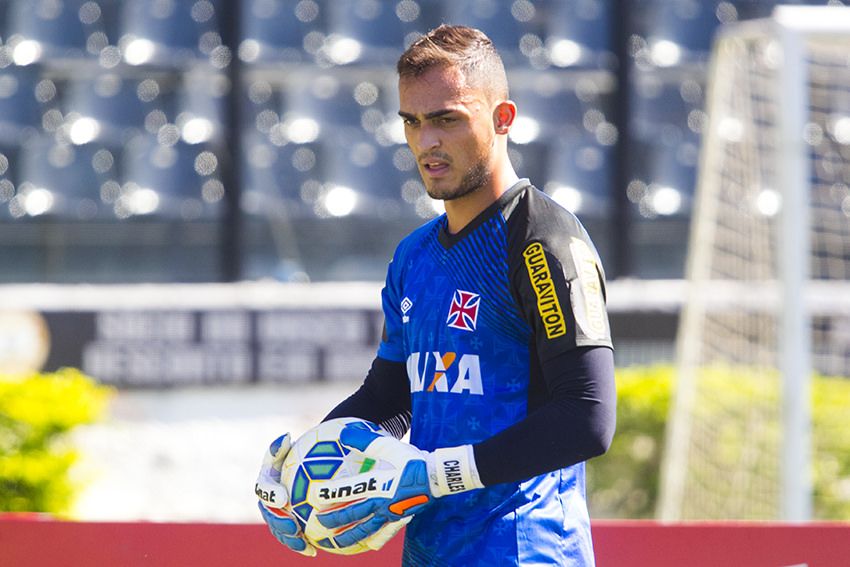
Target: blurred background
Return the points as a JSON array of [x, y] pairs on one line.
[[210, 141], [199, 198]]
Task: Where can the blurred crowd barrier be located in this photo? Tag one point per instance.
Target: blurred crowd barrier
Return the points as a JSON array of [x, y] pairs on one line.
[[252, 332]]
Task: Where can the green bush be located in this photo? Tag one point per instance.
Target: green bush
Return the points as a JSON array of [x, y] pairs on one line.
[[831, 448], [624, 483], [36, 413]]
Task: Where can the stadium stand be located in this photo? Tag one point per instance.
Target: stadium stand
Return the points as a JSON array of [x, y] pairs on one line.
[[307, 89]]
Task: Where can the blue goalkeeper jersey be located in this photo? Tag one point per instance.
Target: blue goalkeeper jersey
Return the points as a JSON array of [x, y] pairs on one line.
[[474, 316]]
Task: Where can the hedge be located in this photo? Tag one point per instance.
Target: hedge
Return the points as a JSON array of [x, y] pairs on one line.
[[624, 483], [36, 413]]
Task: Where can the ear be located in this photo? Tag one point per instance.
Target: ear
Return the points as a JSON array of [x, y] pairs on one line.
[[503, 116]]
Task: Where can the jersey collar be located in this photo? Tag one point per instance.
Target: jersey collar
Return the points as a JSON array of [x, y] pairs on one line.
[[449, 240]]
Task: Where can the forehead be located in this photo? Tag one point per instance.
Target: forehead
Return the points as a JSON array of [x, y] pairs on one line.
[[437, 89]]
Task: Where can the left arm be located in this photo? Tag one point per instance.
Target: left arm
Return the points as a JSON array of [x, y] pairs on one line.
[[558, 284], [575, 425]]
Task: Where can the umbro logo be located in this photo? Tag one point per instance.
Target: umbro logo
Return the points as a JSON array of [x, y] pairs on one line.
[[406, 304]]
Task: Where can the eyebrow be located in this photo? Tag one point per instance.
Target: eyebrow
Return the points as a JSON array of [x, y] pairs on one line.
[[430, 115]]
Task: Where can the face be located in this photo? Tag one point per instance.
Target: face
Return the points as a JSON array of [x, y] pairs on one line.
[[449, 127]]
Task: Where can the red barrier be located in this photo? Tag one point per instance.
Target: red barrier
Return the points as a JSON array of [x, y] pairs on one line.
[[73, 544], [44, 543], [650, 544]]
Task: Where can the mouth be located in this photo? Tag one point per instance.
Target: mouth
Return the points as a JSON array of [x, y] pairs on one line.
[[435, 167]]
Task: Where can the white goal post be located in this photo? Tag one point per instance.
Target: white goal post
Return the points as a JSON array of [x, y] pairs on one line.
[[768, 264]]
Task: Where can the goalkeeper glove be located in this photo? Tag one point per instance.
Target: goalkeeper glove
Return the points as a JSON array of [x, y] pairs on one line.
[[418, 478], [274, 499]]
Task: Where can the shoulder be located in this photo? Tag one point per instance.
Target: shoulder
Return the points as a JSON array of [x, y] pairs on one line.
[[556, 274], [540, 217], [417, 240], [537, 224]]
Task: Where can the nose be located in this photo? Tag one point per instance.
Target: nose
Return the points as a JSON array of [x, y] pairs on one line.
[[428, 138]]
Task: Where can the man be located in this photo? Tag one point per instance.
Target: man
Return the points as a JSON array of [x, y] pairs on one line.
[[497, 352]]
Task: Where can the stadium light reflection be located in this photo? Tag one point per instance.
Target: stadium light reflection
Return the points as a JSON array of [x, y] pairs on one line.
[[342, 50], [564, 52], [139, 201], [249, 50], [138, 51], [666, 201], [525, 130], [38, 201], [730, 129], [197, 130], [26, 52], [83, 130], [426, 207], [391, 131], [340, 201], [303, 130], [666, 53], [568, 197], [769, 202], [841, 130]]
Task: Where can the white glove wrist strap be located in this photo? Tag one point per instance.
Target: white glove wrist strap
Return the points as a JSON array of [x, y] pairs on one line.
[[454, 471]]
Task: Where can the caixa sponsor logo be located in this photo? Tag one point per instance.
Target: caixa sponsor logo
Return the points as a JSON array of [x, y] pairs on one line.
[[444, 372]]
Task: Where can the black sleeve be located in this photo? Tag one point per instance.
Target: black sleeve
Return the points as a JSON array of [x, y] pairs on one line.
[[575, 425], [383, 398]]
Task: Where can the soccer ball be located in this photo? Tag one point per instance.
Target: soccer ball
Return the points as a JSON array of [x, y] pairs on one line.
[[317, 458]]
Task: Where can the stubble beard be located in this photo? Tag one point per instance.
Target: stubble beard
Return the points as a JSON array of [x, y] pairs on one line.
[[473, 180]]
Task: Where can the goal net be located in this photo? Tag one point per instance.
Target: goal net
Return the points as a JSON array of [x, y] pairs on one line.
[[769, 259]]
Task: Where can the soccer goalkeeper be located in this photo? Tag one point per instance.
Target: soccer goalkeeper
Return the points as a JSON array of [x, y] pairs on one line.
[[496, 356]]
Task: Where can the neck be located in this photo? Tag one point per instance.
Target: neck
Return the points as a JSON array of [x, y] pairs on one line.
[[460, 212]]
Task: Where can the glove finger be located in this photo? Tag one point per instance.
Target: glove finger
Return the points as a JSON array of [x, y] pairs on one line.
[[274, 457], [356, 437], [385, 534], [280, 520], [360, 532], [376, 445], [298, 544], [286, 530], [294, 543], [268, 488], [350, 513], [278, 450]]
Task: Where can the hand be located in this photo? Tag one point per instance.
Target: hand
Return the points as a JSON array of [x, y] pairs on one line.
[[274, 499], [418, 478]]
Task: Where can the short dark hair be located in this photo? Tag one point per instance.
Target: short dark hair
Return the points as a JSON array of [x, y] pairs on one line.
[[463, 47]]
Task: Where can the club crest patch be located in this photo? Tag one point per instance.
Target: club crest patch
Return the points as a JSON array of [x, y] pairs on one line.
[[463, 313], [588, 301]]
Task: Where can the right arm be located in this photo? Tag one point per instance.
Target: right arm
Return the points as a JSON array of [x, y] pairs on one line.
[[383, 398]]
